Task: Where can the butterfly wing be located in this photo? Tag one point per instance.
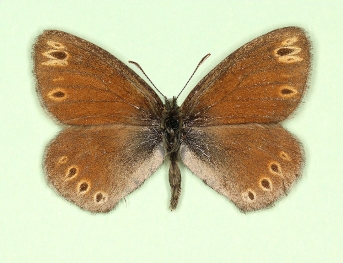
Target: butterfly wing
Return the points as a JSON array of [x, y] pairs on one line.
[[82, 84], [114, 142], [251, 164], [95, 167], [231, 138], [261, 82]]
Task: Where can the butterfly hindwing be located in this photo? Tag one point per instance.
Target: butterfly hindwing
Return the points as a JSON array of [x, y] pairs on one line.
[[251, 164], [96, 167]]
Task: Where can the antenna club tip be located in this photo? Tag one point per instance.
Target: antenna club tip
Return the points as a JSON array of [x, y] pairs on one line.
[[204, 58]]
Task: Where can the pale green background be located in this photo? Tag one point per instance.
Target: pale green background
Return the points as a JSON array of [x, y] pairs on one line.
[[168, 38]]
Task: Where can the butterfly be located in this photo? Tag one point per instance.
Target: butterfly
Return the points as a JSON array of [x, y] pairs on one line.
[[117, 131]]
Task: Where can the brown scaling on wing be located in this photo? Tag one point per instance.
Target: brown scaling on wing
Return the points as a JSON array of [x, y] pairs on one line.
[[253, 165], [261, 82], [95, 167], [82, 84], [231, 139]]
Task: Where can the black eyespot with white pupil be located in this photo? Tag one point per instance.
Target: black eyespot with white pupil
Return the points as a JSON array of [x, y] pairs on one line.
[[284, 51], [58, 54], [58, 94], [83, 187]]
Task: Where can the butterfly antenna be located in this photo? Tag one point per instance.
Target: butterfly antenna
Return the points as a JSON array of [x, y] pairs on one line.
[[201, 61], [137, 65]]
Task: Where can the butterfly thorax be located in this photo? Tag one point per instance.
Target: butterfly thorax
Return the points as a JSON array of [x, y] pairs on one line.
[[171, 126]]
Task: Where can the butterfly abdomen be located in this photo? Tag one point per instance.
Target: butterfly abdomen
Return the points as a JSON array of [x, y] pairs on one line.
[[171, 126]]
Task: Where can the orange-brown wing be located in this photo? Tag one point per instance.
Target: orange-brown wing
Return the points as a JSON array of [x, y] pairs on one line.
[[95, 167], [82, 84], [253, 165], [261, 82]]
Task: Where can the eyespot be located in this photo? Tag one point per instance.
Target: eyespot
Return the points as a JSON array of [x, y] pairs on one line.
[[266, 184], [57, 94], [284, 51], [56, 58], [275, 168], [287, 91], [288, 54], [287, 51], [83, 187], [56, 54], [249, 196], [59, 54], [71, 172], [100, 197]]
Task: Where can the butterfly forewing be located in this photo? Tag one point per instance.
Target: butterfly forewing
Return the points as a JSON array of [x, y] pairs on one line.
[[95, 167], [261, 82], [82, 84]]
